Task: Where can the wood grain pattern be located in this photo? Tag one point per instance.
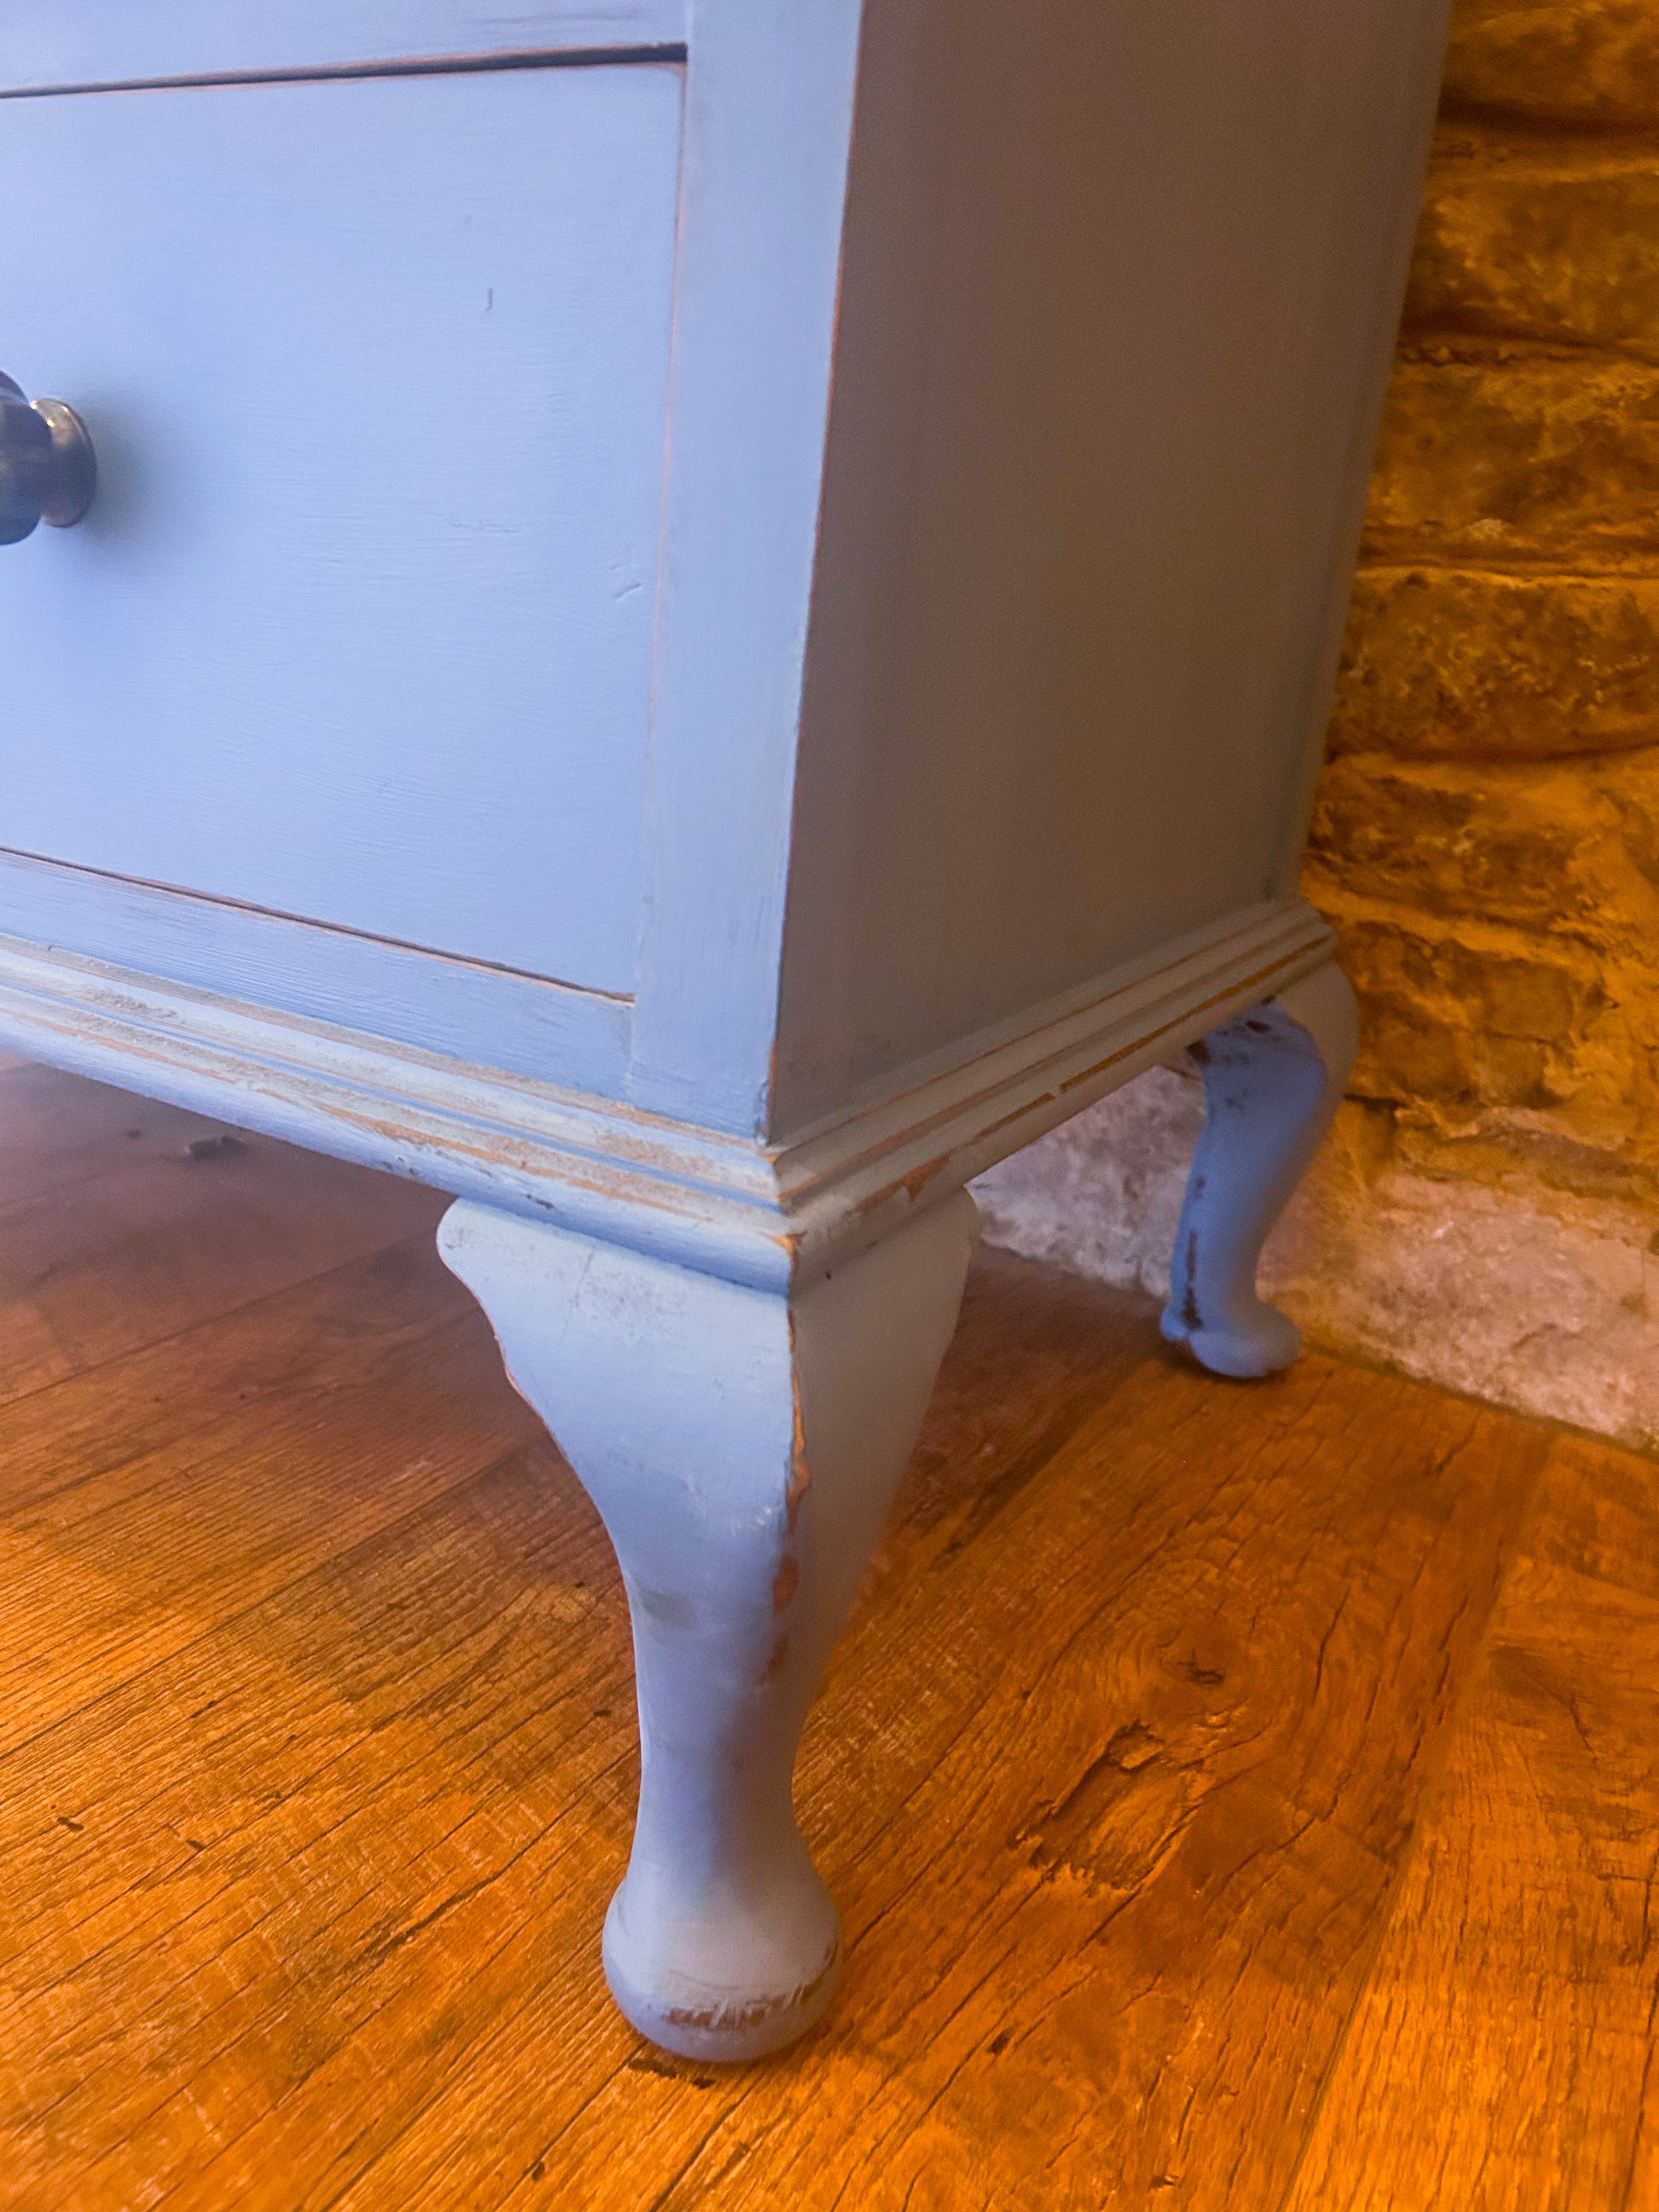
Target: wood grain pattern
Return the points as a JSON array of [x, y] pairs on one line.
[[1503, 2056], [317, 1768], [123, 1222]]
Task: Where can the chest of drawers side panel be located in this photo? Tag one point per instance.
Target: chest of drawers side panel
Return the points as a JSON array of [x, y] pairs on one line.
[[1120, 287]]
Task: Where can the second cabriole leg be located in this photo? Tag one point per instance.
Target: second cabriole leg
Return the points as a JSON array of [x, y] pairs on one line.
[[1271, 1081], [742, 1448]]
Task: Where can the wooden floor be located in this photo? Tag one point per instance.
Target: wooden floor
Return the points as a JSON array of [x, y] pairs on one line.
[[1239, 1796]]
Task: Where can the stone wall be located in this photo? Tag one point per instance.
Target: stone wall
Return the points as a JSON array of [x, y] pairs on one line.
[[1486, 838], [1487, 834]]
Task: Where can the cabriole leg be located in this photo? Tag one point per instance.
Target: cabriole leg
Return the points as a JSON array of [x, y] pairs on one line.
[[1271, 1081], [742, 1448]]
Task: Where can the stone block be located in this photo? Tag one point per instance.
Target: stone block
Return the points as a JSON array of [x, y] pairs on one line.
[[1459, 664], [1588, 63], [1556, 247], [1545, 1051], [1490, 462], [1464, 1017], [1484, 842]]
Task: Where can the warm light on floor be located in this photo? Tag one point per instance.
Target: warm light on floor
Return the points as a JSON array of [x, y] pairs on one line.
[[1232, 1790]]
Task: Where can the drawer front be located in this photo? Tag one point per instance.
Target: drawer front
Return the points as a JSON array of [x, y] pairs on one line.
[[359, 629], [78, 43]]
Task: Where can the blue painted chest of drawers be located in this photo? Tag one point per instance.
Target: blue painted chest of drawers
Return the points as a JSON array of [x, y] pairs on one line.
[[699, 617]]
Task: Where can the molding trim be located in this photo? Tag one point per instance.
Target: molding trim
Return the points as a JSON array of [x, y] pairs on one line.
[[768, 1214]]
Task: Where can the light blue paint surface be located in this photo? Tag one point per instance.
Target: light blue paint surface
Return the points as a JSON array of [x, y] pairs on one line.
[[770, 97], [361, 626], [482, 1016], [469, 580], [105, 41]]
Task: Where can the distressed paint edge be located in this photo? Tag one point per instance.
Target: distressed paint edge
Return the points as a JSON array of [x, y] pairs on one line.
[[870, 1172], [774, 1218]]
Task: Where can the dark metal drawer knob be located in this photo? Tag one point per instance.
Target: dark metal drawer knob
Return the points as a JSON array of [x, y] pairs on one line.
[[48, 472]]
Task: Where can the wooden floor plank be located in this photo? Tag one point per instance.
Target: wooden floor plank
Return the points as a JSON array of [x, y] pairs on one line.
[[1502, 2058], [161, 1244], [316, 1762], [57, 1133], [146, 1555], [1112, 1933], [369, 1785], [151, 1400]]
